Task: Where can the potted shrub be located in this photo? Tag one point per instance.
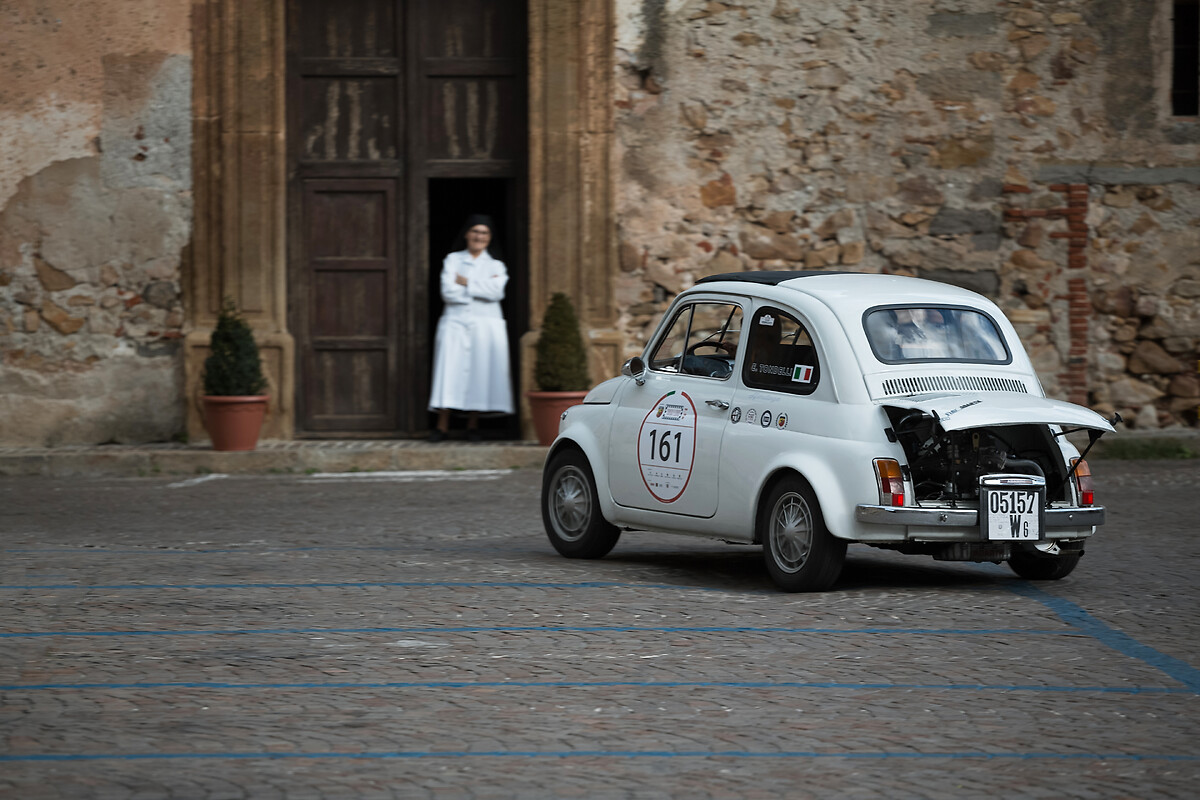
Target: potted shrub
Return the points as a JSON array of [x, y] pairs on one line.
[[560, 368], [234, 404]]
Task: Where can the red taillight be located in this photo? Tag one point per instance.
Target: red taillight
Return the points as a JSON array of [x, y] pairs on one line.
[[1083, 482], [889, 481]]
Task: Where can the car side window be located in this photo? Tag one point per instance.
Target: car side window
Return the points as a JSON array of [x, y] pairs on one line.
[[667, 355], [701, 340], [781, 355]]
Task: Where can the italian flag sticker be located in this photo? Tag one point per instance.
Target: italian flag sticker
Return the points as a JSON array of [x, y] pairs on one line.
[[802, 374]]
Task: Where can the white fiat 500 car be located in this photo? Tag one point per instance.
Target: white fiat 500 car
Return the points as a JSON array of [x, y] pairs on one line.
[[804, 411]]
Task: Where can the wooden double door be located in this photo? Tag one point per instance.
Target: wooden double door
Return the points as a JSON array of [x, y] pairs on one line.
[[404, 117]]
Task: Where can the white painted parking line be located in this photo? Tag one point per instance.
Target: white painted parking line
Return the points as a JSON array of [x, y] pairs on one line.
[[194, 481], [407, 476]]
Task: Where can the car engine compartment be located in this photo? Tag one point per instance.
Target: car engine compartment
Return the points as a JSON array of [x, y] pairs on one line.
[[945, 465]]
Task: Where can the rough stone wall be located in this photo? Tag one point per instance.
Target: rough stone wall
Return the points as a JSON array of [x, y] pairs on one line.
[[1021, 149], [95, 218]]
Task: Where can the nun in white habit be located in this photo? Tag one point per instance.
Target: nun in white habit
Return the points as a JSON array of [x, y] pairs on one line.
[[470, 353]]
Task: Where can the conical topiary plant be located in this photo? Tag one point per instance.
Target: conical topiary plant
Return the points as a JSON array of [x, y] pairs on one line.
[[233, 368], [234, 405], [561, 364], [560, 368]]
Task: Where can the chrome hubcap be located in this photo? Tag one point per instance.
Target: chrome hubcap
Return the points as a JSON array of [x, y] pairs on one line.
[[570, 503], [791, 532]]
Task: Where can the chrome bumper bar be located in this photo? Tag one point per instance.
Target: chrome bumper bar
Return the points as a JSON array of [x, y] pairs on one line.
[[1084, 517]]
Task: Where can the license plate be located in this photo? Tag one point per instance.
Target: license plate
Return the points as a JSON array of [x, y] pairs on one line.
[[1011, 507]]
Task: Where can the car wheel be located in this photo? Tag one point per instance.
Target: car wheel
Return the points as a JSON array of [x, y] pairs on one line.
[[571, 508], [1043, 568], [800, 552]]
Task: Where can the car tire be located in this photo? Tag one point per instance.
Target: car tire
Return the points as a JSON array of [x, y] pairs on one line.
[[571, 508], [800, 553], [1043, 568]]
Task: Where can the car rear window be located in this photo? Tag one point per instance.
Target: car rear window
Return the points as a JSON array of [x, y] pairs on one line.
[[900, 334]]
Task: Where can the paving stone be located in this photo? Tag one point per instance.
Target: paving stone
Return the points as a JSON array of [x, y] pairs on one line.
[[282, 637]]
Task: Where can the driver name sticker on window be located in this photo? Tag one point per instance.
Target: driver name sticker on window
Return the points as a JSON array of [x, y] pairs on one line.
[[802, 373], [766, 319], [666, 446]]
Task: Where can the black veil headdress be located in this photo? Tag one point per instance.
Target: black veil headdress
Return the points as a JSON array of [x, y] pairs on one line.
[[460, 241]]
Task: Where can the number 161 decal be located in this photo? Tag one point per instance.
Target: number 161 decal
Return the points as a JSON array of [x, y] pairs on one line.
[[667, 446]]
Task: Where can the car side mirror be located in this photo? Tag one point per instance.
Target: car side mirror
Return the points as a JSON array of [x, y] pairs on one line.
[[635, 368]]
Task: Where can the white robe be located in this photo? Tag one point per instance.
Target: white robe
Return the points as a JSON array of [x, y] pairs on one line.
[[470, 353]]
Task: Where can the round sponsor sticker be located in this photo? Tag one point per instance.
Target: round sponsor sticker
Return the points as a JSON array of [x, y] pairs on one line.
[[781, 421], [751, 416], [666, 446], [735, 416], [766, 419]]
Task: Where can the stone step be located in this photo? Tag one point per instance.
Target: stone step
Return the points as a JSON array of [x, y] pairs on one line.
[[147, 460]]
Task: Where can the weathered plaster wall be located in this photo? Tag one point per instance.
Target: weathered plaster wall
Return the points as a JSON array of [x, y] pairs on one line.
[[1021, 149], [95, 218]]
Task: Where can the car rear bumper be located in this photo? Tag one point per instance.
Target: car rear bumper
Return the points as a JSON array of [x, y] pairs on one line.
[[962, 524], [969, 517]]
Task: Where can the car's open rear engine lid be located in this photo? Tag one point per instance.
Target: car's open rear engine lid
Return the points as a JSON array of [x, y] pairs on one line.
[[956, 412]]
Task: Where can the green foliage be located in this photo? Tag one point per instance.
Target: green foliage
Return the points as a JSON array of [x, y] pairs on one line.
[[1133, 449], [233, 368], [561, 364]]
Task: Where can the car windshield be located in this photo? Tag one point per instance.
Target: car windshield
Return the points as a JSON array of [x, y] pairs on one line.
[[931, 333]]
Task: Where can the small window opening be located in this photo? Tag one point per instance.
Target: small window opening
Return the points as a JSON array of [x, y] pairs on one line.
[[1185, 68]]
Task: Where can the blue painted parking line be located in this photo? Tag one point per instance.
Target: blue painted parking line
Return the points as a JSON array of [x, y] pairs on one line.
[[168, 551], [544, 629], [335, 685], [176, 551], [529, 754], [1079, 619], [359, 585]]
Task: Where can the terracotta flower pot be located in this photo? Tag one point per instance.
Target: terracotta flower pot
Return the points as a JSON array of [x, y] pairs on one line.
[[547, 408], [233, 423]]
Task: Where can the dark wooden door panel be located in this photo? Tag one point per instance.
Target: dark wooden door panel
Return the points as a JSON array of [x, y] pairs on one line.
[[352, 276], [346, 107], [466, 118], [345, 28], [349, 303], [383, 97], [349, 220], [350, 390], [474, 28], [472, 65], [347, 118]]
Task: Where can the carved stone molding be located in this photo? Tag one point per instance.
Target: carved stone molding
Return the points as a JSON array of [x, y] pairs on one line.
[[572, 232], [239, 166]]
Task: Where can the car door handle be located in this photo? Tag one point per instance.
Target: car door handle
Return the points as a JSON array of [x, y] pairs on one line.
[[721, 404]]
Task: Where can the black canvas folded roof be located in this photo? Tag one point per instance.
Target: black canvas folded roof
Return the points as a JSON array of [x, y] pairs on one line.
[[769, 277]]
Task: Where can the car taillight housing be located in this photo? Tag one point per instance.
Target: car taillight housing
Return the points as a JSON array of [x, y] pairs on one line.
[[890, 482], [1083, 482]]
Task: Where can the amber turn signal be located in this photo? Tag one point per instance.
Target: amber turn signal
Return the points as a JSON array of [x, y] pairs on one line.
[[1083, 482], [890, 482]]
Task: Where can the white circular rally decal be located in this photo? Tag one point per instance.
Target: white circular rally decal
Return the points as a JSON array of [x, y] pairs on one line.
[[667, 446]]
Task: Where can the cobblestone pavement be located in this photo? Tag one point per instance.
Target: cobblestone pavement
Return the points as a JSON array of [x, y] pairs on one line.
[[416, 636]]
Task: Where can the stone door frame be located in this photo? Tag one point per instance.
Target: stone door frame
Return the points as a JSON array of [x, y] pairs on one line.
[[239, 163]]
